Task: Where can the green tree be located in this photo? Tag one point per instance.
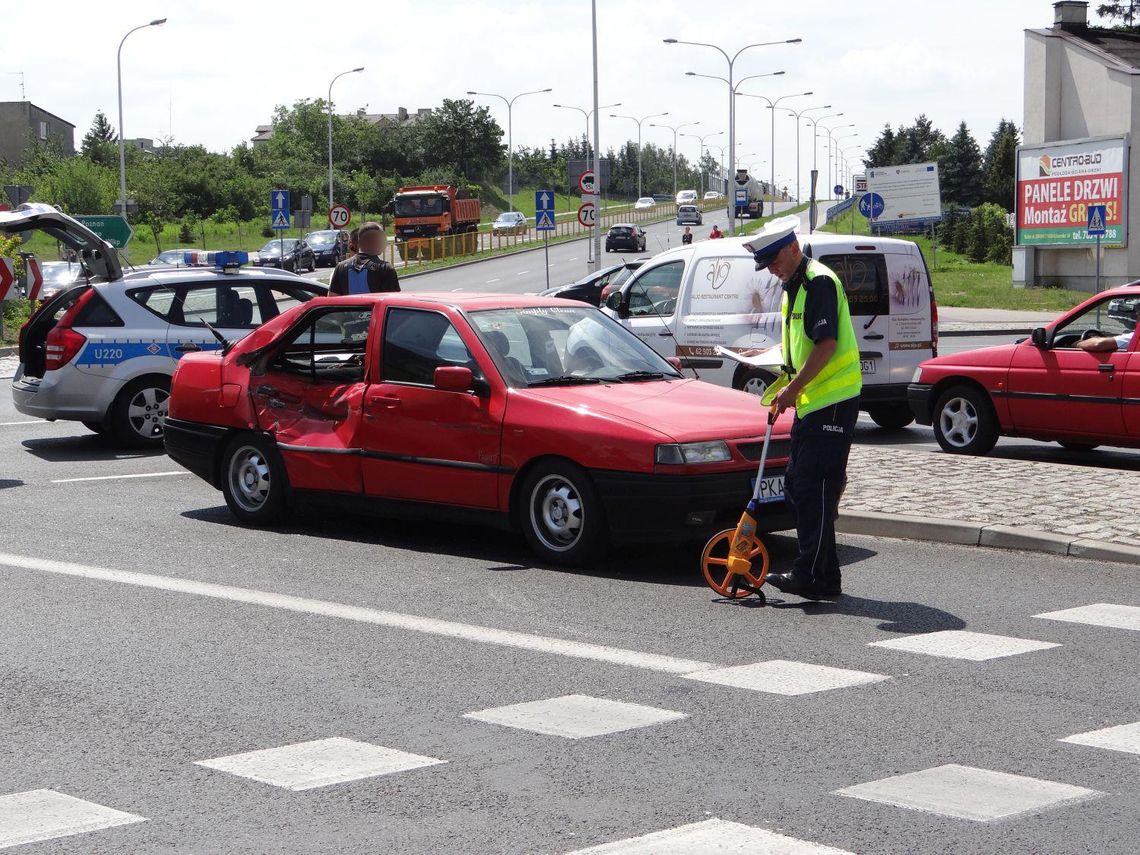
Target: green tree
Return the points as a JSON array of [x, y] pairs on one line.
[[882, 153], [99, 142], [1126, 13], [460, 136], [999, 165], [960, 170]]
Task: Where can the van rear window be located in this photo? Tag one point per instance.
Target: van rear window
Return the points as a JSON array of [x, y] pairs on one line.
[[864, 280]]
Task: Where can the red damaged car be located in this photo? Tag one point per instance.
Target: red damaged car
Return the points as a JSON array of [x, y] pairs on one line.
[[1075, 381], [528, 412]]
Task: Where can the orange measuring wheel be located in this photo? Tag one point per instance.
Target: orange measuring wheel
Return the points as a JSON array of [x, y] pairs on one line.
[[714, 564]]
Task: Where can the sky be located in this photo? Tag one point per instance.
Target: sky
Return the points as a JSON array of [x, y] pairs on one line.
[[216, 69]]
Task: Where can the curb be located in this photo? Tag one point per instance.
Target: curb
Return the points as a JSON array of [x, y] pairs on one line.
[[1023, 538]]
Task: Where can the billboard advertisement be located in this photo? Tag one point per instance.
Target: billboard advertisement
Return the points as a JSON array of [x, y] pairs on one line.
[[1056, 183], [910, 192]]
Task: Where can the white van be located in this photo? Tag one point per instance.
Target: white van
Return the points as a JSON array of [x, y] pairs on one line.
[[686, 197], [702, 301]]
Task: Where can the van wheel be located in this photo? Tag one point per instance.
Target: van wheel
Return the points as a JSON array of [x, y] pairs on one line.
[[754, 381], [890, 416], [964, 421], [138, 414], [561, 514], [254, 481]]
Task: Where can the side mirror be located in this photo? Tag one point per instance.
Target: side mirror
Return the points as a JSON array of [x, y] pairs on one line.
[[453, 378], [1040, 337], [613, 301]]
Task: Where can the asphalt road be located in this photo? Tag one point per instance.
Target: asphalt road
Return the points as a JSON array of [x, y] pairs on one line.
[[143, 633]]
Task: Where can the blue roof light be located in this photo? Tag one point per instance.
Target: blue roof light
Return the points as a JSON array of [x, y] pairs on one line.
[[230, 260]]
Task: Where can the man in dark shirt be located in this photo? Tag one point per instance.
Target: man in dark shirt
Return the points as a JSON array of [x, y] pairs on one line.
[[366, 272]]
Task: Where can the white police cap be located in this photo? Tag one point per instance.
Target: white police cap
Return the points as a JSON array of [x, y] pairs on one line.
[[766, 244]]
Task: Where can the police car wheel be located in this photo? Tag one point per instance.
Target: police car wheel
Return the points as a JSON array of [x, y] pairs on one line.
[[964, 421], [561, 514], [254, 480], [138, 414]]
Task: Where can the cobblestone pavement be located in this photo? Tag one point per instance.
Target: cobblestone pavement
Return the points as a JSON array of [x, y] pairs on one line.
[[1091, 503]]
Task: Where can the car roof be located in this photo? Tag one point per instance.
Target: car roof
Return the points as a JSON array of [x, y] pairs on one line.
[[466, 302], [196, 275], [622, 226], [817, 240]]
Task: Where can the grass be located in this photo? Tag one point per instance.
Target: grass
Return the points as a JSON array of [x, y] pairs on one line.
[[960, 282]]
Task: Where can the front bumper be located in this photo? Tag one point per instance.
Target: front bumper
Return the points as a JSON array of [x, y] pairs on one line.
[[918, 396], [196, 446], [644, 508]]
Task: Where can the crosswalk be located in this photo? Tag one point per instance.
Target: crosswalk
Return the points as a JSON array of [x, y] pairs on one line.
[[950, 789]]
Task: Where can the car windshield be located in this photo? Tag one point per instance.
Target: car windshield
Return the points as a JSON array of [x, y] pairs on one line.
[[645, 200], [428, 205], [507, 218], [274, 246], [539, 346], [321, 238]]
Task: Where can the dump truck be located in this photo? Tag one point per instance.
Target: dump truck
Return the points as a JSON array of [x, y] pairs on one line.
[[754, 207], [435, 210]]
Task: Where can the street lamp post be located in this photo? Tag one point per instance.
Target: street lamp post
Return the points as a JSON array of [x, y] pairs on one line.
[[836, 141], [731, 60], [597, 178], [830, 131], [772, 106], [674, 129], [701, 157], [639, 121], [329, 104], [798, 116], [122, 143], [815, 135], [510, 102]]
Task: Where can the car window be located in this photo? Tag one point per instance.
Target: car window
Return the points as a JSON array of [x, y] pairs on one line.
[[864, 279], [97, 312], [1110, 317], [416, 342], [232, 305], [655, 291], [327, 347], [275, 298]]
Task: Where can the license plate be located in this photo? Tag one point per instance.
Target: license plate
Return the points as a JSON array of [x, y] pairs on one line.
[[867, 366], [771, 489]]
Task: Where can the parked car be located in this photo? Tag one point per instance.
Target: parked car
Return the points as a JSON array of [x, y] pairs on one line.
[[713, 194], [590, 287], [510, 223], [523, 412], [171, 257], [330, 246], [59, 275], [1044, 387], [686, 197], [289, 254], [689, 215], [644, 202], [621, 278], [625, 236]]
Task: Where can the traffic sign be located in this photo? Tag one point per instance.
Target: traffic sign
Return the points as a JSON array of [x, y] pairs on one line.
[[7, 278], [741, 197], [1098, 214], [860, 183], [837, 189], [339, 216], [587, 182], [871, 205], [113, 228], [33, 276], [543, 211], [588, 215], [279, 209]]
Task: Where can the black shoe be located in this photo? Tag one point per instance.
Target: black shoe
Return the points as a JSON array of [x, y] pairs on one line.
[[790, 583]]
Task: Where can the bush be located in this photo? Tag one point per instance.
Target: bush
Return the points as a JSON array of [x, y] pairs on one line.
[[186, 231], [267, 232], [988, 233]]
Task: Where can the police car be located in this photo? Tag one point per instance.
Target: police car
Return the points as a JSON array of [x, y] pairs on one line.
[[103, 351]]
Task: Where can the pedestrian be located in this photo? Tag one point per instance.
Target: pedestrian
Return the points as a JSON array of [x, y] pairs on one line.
[[365, 272], [687, 236], [822, 380], [716, 232]]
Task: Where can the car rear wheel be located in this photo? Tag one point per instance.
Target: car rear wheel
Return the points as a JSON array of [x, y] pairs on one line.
[[254, 482], [561, 514], [890, 416], [138, 414], [964, 421]]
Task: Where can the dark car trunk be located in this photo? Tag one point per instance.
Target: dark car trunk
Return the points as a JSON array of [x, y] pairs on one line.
[[33, 335]]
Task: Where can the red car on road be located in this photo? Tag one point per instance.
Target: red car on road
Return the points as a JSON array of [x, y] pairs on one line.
[[532, 412], [1045, 387]]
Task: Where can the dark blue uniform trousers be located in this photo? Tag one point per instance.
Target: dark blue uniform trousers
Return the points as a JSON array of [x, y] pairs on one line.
[[813, 484]]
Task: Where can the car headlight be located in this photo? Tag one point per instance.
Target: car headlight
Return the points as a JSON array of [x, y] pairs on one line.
[[917, 378], [715, 451]]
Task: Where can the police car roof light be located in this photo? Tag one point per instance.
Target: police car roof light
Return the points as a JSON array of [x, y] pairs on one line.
[[231, 260]]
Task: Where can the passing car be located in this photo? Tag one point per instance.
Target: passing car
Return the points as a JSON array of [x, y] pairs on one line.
[[170, 258], [1045, 387], [510, 223], [689, 215], [686, 197], [625, 237], [712, 194], [291, 254], [330, 246], [644, 202], [590, 287], [532, 413]]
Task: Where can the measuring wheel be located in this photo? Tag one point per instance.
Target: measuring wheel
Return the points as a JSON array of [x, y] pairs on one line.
[[714, 564]]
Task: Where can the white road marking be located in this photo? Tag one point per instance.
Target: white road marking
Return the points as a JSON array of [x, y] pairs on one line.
[[119, 477], [968, 793], [575, 716], [36, 815], [1123, 737], [319, 763], [1099, 614], [575, 258], [489, 281], [394, 620], [453, 290], [781, 677], [962, 644], [29, 422], [712, 835], [522, 273]]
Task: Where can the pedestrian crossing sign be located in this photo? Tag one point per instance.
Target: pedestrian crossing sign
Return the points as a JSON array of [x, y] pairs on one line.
[[1097, 216], [544, 222], [281, 220]]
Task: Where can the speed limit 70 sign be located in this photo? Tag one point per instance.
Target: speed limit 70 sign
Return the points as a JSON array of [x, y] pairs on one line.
[[587, 214], [339, 216]]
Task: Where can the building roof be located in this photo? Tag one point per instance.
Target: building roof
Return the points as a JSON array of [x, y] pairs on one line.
[[38, 107], [1119, 48]]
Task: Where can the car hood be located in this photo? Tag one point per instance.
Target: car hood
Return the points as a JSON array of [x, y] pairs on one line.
[[995, 356], [683, 410], [98, 255]]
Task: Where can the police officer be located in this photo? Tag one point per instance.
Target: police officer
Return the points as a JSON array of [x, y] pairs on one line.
[[822, 380]]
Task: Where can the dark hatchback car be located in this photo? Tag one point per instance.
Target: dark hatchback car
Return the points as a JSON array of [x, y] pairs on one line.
[[589, 288], [330, 246], [625, 236], [288, 254]]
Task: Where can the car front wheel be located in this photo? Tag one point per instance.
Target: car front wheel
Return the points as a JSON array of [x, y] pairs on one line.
[[254, 482], [964, 421], [561, 514]]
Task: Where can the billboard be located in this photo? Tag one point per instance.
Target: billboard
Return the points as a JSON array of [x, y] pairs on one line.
[[910, 192], [1057, 182]]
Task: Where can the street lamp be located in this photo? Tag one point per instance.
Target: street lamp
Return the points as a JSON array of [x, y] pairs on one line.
[[731, 60], [329, 104], [122, 145], [772, 106], [815, 135], [702, 139], [830, 131], [639, 121], [674, 129], [836, 141], [798, 116], [510, 102]]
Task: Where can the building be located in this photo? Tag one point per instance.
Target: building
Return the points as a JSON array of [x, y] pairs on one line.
[[401, 118], [1082, 106], [23, 125]]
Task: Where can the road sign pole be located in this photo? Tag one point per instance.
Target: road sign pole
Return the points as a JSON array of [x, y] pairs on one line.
[[1098, 264], [597, 241], [546, 252]]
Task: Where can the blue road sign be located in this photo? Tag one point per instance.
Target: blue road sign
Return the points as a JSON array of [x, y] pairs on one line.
[[837, 189], [543, 211], [279, 209], [871, 205], [741, 197], [1097, 216]]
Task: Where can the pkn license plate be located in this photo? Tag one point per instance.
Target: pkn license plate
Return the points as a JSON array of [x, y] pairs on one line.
[[867, 366], [771, 489]]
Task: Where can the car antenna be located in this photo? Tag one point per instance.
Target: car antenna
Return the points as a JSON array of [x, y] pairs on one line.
[[226, 343]]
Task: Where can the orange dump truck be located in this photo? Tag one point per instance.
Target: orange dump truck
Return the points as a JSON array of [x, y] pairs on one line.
[[434, 210]]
